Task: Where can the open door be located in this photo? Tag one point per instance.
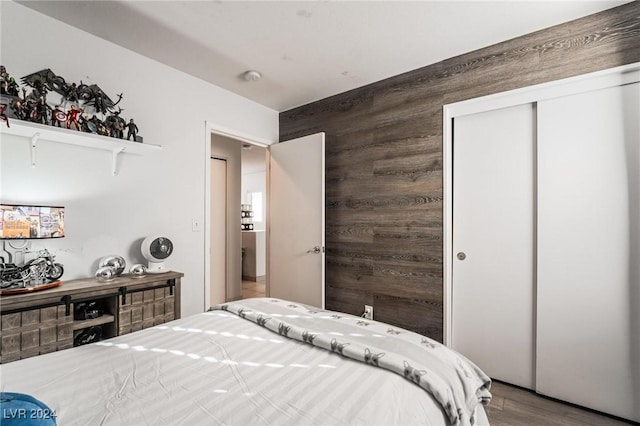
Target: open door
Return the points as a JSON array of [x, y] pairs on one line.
[[296, 220]]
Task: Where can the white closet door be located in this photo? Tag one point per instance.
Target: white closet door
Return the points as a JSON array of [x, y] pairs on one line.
[[588, 334], [493, 225]]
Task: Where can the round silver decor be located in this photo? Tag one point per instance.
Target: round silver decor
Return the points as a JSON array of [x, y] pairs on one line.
[[106, 273], [114, 261], [138, 270]]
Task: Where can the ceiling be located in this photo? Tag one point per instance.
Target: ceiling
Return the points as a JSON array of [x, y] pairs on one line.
[[253, 158], [308, 50]]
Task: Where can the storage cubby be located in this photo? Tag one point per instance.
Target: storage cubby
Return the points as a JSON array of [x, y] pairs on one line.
[[98, 314]]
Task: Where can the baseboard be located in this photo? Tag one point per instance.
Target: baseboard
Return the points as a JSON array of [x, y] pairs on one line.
[[254, 279]]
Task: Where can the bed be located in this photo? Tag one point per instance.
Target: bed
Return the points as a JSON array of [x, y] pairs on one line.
[[261, 361]]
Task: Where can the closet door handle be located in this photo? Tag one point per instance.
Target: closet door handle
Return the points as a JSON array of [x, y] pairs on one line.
[[461, 256]]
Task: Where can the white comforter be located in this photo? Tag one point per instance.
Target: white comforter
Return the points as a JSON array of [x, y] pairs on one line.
[[217, 368], [457, 384]]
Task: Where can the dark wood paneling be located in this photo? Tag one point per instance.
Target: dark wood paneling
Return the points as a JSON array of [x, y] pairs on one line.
[[384, 159], [420, 315]]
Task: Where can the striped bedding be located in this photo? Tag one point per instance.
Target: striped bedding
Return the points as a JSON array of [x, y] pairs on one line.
[[218, 368]]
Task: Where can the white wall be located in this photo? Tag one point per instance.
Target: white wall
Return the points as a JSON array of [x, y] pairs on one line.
[[159, 193], [254, 262]]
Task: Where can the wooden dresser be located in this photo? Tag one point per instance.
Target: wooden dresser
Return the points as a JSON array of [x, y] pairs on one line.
[[41, 322]]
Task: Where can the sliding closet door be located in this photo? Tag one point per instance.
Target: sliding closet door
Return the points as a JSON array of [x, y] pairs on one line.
[[588, 333], [493, 250]]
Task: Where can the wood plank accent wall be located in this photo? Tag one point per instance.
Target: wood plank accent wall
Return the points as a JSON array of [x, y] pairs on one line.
[[384, 160]]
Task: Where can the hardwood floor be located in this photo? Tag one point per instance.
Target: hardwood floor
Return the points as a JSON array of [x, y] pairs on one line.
[[516, 406], [253, 289]]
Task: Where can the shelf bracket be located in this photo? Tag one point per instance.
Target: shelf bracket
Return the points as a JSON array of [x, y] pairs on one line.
[[34, 144], [114, 155]]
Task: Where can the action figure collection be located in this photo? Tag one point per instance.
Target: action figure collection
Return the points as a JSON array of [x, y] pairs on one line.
[[69, 112]]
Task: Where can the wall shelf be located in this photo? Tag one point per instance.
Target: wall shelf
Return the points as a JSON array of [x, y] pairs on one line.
[[40, 132]]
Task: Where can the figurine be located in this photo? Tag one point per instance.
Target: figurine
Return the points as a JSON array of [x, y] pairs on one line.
[[3, 116], [95, 97], [58, 116], [12, 88], [8, 85], [72, 117], [101, 128], [4, 81], [31, 109], [104, 130], [84, 124], [97, 126], [132, 130], [99, 102], [42, 111], [94, 124], [34, 106], [116, 124], [39, 90], [18, 109], [50, 81], [43, 81], [71, 93]]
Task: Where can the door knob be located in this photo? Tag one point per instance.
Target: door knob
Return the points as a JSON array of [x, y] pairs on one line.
[[462, 256], [316, 250]]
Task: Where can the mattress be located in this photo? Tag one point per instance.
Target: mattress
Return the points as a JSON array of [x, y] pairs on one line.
[[222, 367]]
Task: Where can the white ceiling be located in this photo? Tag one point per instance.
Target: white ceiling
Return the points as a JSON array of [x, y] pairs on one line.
[[308, 50]]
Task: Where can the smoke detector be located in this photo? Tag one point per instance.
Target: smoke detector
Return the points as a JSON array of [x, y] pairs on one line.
[[251, 75]]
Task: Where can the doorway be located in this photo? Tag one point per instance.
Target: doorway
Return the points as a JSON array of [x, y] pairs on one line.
[[294, 238], [253, 221], [223, 202]]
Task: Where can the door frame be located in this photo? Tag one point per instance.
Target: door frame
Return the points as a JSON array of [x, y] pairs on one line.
[[216, 129], [531, 94]]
